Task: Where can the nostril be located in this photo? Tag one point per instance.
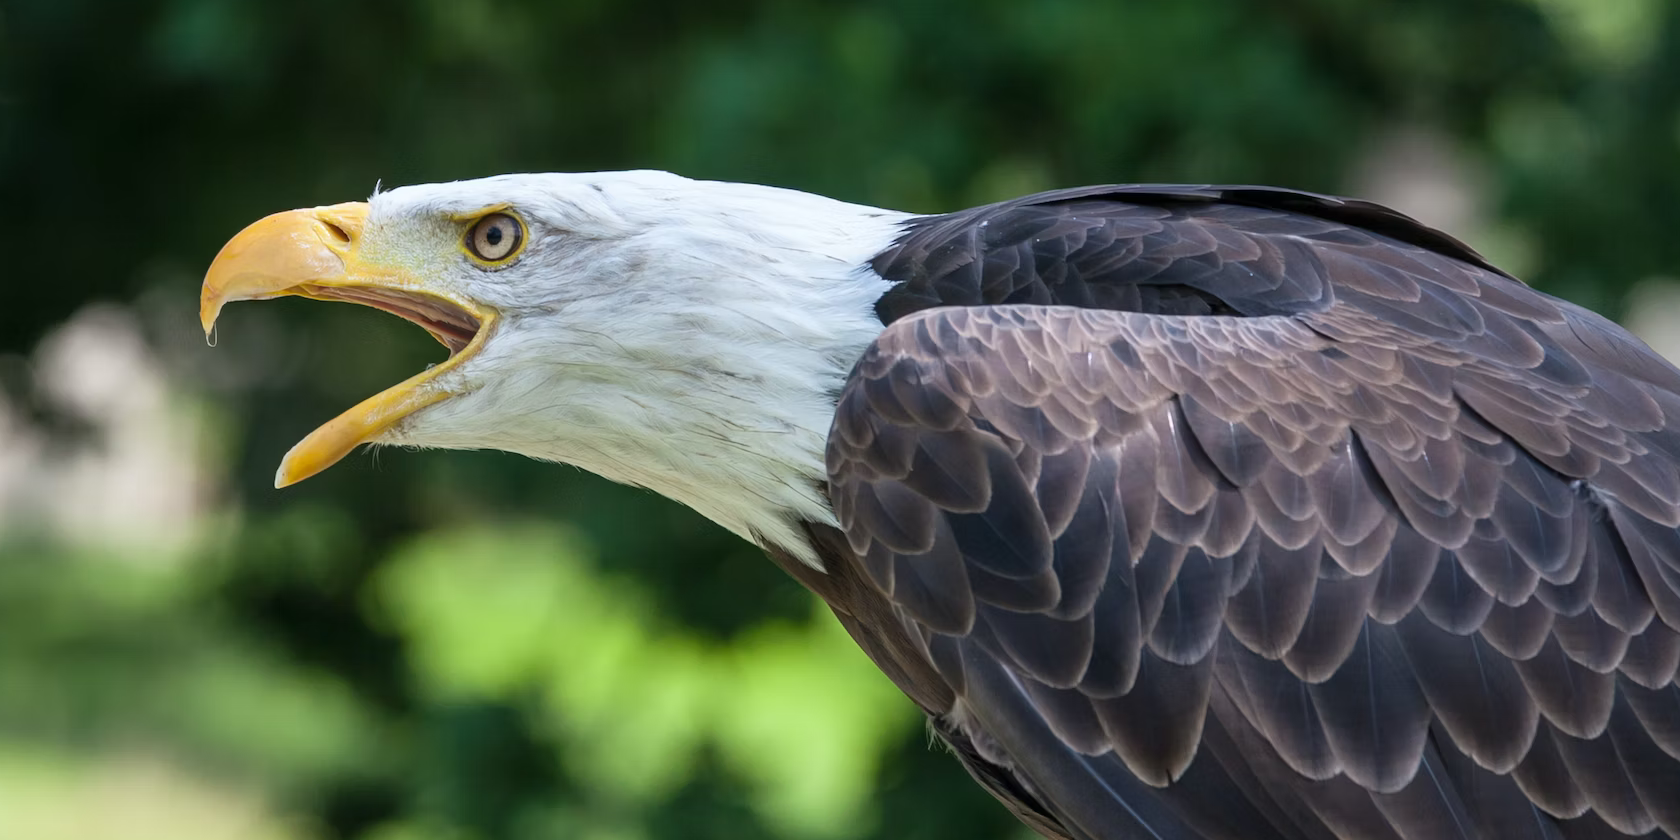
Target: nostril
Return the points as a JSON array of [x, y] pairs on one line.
[[336, 231]]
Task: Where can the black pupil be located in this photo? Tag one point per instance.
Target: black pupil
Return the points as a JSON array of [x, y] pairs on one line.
[[493, 236]]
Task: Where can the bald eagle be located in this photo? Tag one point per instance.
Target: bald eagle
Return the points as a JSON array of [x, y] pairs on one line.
[[1182, 511]]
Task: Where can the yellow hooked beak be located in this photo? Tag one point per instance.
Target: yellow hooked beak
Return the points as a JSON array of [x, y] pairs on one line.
[[315, 253]]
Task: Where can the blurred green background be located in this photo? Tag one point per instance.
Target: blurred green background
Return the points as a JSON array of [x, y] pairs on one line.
[[470, 646]]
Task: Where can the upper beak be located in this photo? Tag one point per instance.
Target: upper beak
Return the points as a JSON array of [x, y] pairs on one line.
[[316, 253], [276, 255]]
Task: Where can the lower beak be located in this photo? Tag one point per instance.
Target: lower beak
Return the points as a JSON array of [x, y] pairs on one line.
[[316, 253]]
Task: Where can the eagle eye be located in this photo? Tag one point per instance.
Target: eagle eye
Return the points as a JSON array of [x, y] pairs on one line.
[[495, 237]]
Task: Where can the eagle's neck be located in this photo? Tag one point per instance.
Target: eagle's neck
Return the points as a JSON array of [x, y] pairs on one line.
[[707, 363]]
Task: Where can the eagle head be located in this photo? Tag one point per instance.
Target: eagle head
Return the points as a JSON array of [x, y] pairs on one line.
[[684, 336]]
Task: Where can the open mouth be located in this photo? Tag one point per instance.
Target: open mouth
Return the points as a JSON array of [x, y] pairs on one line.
[[453, 326], [315, 253], [460, 326]]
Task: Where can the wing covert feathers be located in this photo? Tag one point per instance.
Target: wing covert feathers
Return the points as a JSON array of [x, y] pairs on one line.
[[1401, 564]]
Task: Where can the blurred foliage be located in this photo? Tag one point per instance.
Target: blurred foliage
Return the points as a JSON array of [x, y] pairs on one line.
[[467, 646]]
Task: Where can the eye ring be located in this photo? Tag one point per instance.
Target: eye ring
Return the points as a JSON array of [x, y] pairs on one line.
[[495, 238]]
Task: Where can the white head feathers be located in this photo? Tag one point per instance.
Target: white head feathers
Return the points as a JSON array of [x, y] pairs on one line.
[[685, 336]]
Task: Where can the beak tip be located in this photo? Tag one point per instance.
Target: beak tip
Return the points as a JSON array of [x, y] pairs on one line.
[[209, 307], [305, 460], [287, 474]]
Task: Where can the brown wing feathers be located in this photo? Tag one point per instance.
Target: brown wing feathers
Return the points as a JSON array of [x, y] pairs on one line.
[[1395, 556]]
